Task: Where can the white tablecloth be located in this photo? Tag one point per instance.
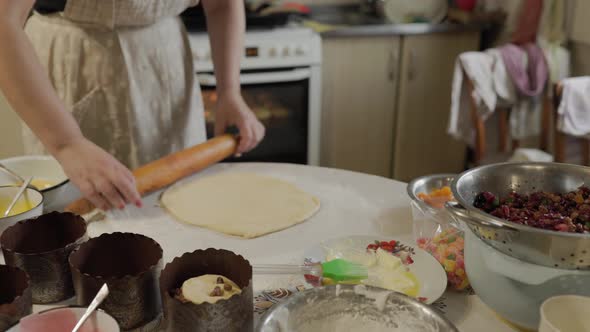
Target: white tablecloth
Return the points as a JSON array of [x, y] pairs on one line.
[[352, 204]]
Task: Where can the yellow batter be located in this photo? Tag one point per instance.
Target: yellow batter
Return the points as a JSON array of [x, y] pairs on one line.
[[41, 184], [201, 289], [22, 205]]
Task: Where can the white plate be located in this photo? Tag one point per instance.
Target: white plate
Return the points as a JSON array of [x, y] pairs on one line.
[[428, 271]]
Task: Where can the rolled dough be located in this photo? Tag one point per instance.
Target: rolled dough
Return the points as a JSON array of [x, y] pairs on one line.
[[241, 204]]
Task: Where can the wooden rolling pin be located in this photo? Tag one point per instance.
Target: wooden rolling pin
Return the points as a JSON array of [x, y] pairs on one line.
[[163, 172]]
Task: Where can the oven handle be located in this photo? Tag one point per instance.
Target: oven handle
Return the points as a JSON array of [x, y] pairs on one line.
[[260, 78]]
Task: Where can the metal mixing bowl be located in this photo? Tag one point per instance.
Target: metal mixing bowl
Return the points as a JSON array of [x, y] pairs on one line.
[[538, 246], [428, 218], [326, 304], [427, 184]]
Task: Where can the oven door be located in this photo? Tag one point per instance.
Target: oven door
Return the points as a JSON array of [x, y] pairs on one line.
[[279, 98]]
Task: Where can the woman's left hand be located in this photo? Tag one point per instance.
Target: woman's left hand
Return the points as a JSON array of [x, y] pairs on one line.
[[232, 110]]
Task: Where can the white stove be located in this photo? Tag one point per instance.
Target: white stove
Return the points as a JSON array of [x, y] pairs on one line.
[[281, 82], [275, 48]]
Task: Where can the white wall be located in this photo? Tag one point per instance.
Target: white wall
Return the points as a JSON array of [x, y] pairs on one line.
[[10, 131], [580, 29]]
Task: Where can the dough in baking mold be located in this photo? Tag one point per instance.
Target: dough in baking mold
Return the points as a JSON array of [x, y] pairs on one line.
[[242, 204], [198, 290]]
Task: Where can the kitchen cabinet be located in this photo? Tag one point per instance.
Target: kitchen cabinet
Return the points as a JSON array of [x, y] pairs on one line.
[[421, 143], [359, 87], [386, 103]]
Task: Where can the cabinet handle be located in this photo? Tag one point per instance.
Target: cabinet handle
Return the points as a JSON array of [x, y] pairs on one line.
[[392, 63], [411, 66]]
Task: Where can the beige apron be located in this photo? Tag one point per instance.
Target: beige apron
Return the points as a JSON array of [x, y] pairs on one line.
[[124, 69]]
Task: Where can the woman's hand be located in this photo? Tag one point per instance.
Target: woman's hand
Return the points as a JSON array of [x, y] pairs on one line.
[[226, 25], [24, 82], [233, 111], [100, 177]]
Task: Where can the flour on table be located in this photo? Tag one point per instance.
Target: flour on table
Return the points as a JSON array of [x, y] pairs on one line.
[[328, 314]]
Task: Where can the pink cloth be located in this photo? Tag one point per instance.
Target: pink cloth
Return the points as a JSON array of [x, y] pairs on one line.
[[529, 79]]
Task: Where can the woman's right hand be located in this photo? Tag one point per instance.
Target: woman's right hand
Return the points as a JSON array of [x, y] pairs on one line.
[[100, 177]]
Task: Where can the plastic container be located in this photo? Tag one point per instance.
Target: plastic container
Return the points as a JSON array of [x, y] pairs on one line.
[[435, 231]]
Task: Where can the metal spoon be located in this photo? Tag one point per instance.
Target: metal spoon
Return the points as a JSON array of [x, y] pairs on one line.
[[18, 195], [12, 173], [100, 296]]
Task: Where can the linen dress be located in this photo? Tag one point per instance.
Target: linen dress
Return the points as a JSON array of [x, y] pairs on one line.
[[124, 70]]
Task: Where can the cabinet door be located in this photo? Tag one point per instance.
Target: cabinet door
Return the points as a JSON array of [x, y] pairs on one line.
[[359, 87], [422, 145]]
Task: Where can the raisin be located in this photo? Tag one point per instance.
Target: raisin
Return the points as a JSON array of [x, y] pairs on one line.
[[217, 291]]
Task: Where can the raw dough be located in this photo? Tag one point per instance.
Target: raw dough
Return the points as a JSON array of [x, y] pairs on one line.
[[242, 204], [197, 290]]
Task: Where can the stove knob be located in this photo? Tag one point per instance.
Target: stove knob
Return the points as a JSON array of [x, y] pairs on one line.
[[199, 54], [301, 50], [272, 52], [287, 51], [202, 54]]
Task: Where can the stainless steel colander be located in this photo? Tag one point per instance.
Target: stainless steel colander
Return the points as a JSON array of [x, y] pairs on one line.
[[538, 246]]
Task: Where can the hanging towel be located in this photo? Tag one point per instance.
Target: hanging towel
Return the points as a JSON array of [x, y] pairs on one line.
[[574, 109], [492, 88], [552, 37], [552, 28], [529, 76], [558, 61], [527, 68]]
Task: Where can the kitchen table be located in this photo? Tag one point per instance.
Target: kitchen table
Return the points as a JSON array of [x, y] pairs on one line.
[[351, 204]]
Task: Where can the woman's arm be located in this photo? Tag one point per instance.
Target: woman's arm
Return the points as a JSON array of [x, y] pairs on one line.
[[24, 85], [28, 90], [226, 26]]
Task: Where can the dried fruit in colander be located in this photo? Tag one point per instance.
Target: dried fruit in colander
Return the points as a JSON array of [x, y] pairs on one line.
[[569, 212]]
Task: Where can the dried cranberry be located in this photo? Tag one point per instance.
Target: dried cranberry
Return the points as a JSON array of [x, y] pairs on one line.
[[562, 227]]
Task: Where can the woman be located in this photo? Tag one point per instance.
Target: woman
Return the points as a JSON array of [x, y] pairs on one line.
[[108, 84]]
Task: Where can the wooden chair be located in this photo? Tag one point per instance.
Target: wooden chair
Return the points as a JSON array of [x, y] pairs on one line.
[[560, 138], [479, 151]]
